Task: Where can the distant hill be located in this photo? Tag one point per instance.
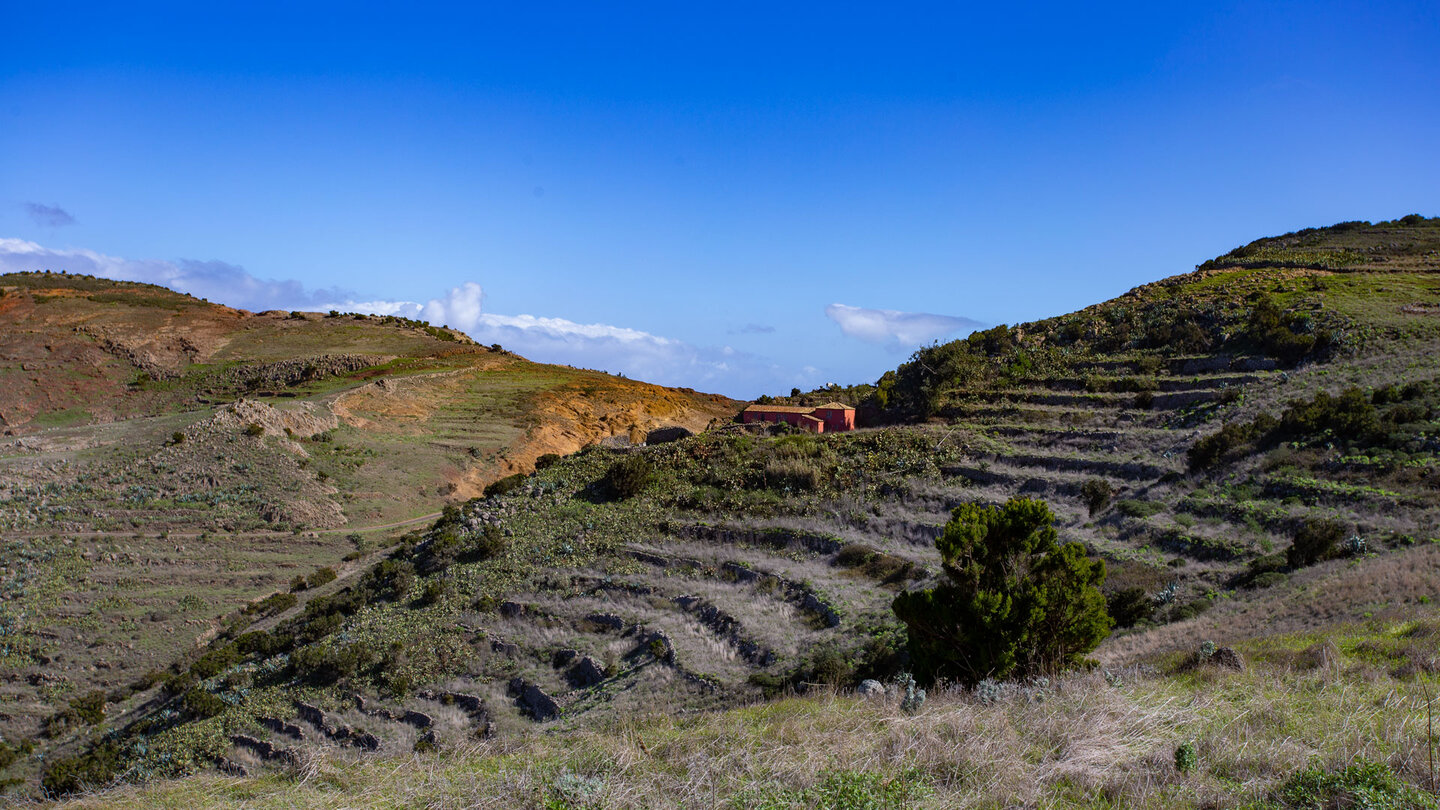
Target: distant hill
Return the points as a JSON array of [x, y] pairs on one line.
[[1250, 447], [166, 460]]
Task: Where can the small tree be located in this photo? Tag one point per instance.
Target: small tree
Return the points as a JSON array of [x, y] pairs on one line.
[[1096, 492], [1317, 540], [628, 477], [1015, 602]]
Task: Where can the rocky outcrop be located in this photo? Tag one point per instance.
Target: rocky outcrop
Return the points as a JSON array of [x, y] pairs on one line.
[[605, 621], [264, 749], [409, 717], [1228, 658], [778, 538], [472, 705], [586, 672], [533, 700], [281, 727], [795, 592], [288, 373], [336, 730], [727, 627], [667, 434], [230, 767]]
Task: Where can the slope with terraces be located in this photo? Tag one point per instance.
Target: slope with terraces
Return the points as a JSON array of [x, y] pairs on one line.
[[723, 568]]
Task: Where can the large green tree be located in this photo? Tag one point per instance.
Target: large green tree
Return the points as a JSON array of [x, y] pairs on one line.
[[1014, 602]]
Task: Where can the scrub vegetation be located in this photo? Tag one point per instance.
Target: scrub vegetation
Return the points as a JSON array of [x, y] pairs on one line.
[[1175, 550]]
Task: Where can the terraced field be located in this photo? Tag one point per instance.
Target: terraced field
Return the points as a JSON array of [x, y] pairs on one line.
[[166, 461], [1251, 449]]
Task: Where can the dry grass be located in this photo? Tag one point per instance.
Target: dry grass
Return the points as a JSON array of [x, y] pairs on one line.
[[1385, 586], [1092, 740]]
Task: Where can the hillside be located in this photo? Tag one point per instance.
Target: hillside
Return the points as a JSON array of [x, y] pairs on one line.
[[166, 461], [1251, 448]]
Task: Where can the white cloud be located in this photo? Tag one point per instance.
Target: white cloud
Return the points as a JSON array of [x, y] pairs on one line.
[[617, 349], [214, 280], [894, 329]]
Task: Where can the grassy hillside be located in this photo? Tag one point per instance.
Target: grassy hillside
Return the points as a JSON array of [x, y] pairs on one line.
[[1314, 721], [1250, 447], [166, 461]]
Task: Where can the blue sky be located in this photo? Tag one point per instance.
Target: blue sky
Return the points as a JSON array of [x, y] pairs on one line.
[[736, 197]]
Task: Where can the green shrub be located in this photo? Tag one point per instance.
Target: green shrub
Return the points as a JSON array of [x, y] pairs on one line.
[[272, 604], [200, 704], [831, 666], [505, 485], [297, 583], [546, 460], [434, 591], [791, 475], [261, 643], [1187, 759], [319, 627], [490, 543], [451, 542], [628, 477], [1348, 415], [1288, 337], [215, 661], [1096, 493], [390, 580], [254, 429], [1262, 572], [179, 683], [1015, 601], [320, 577], [1211, 450], [95, 768], [1317, 540], [1129, 606], [1267, 579], [846, 790], [325, 664], [90, 707], [875, 563], [59, 723], [1369, 785], [1395, 418], [1139, 509]]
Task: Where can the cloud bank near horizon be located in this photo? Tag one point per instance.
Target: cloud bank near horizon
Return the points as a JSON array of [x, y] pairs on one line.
[[213, 280], [632, 352], [617, 349], [896, 330]]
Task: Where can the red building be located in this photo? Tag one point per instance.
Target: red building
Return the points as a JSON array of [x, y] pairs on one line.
[[831, 417]]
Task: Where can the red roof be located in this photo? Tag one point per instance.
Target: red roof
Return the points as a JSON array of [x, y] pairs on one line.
[[779, 409], [832, 406]]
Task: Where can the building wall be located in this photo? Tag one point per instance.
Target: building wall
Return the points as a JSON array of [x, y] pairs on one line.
[[796, 419], [837, 419]]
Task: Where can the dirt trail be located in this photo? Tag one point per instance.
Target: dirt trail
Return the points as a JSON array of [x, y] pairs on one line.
[[191, 535]]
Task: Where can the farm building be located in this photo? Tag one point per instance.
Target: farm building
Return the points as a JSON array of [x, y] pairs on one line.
[[828, 418]]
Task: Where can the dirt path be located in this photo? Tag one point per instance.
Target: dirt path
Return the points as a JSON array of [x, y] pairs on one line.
[[177, 535]]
